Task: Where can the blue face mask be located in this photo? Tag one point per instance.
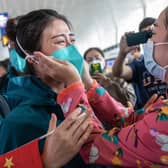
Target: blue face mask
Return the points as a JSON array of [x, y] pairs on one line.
[[72, 55], [150, 64], [17, 61]]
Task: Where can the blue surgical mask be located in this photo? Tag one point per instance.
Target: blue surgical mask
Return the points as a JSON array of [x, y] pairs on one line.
[[151, 65], [17, 61], [72, 55]]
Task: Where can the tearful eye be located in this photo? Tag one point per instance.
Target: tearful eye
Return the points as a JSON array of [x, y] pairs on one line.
[[59, 42], [73, 41]]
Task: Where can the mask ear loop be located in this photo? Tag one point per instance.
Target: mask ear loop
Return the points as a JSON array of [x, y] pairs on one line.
[[32, 57], [161, 43], [47, 134]]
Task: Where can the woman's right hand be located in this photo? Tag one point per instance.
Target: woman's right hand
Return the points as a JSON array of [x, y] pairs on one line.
[[124, 48], [67, 139], [59, 70]]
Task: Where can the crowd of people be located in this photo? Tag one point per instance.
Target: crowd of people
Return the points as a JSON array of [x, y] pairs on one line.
[[66, 111]]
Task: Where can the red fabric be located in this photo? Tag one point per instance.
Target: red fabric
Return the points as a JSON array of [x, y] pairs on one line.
[[141, 144], [26, 156]]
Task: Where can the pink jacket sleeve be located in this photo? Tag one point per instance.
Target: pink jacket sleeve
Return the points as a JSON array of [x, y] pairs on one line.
[[142, 144], [107, 109]]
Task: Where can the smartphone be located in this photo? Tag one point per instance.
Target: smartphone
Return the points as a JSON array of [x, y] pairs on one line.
[[138, 38], [95, 68]]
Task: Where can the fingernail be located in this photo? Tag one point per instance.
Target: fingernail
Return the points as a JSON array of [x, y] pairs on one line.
[[82, 115], [78, 110]]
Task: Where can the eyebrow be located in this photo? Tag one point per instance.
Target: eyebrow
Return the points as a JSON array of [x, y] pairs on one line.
[[62, 35]]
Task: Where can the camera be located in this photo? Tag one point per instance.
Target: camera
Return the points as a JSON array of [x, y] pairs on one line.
[[138, 38]]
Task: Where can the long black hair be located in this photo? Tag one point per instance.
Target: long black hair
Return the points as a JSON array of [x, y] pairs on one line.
[[31, 26]]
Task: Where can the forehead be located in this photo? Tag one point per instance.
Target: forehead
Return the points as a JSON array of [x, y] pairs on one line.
[[93, 53], [55, 27]]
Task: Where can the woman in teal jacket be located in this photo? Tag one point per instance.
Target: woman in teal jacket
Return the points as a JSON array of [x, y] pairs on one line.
[[32, 101]]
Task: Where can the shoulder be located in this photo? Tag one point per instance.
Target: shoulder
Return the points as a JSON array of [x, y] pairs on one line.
[[20, 127]]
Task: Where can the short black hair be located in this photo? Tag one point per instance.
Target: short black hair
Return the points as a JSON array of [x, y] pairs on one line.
[[93, 48], [148, 21]]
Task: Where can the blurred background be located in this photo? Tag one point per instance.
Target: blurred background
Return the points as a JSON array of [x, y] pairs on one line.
[[96, 22]]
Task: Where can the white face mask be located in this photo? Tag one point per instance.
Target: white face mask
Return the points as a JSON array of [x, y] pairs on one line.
[[151, 65]]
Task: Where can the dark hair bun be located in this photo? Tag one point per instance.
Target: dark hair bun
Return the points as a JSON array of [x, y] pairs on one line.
[[11, 29]]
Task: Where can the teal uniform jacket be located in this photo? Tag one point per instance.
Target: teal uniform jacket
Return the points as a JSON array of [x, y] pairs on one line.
[[4, 79], [31, 103]]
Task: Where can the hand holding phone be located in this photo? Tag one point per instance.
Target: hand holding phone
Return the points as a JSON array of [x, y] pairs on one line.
[[138, 38]]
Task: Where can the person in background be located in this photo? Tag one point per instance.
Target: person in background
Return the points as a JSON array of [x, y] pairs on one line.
[[9, 69], [117, 87], [145, 84], [132, 55]]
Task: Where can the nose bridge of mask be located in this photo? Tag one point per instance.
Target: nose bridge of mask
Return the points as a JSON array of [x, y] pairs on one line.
[[70, 54]]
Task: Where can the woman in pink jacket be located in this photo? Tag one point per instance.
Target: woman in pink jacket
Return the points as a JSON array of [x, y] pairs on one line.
[[141, 140]]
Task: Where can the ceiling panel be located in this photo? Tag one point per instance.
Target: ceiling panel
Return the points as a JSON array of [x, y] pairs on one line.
[[96, 22]]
